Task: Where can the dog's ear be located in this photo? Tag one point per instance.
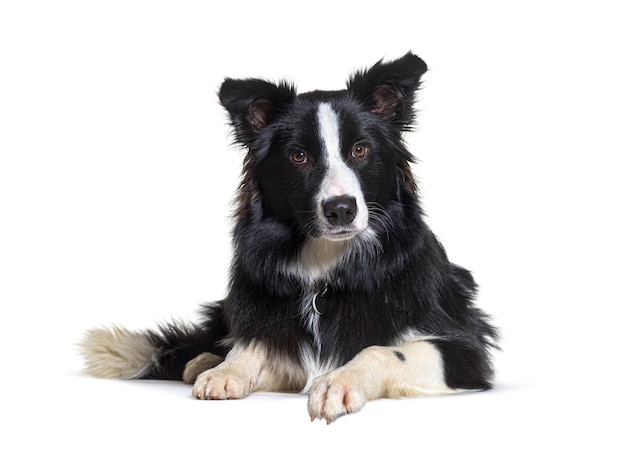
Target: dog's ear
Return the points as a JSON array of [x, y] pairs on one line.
[[388, 88], [253, 104]]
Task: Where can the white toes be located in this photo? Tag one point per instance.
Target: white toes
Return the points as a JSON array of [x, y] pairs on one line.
[[215, 384], [334, 395]]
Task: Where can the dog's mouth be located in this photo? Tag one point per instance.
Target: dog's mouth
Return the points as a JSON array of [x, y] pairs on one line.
[[343, 234]]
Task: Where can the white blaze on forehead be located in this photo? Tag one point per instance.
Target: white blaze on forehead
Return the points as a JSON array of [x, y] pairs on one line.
[[339, 179], [329, 130]]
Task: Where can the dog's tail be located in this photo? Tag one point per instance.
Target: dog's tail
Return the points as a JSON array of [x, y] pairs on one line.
[[117, 352]]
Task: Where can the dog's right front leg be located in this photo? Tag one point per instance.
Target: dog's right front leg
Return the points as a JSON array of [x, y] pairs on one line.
[[234, 378]]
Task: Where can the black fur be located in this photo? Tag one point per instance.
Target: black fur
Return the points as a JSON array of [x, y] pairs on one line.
[[400, 281]]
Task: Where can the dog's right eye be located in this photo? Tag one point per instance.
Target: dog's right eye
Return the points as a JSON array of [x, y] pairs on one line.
[[299, 157]]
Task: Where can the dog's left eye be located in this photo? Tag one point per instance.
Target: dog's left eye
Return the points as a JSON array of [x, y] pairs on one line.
[[299, 157], [359, 150]]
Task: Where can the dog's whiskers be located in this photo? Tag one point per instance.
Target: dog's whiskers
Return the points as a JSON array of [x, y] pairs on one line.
[[380, 215]]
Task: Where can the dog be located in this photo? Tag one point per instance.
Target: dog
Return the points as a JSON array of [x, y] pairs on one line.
[[338, 289]]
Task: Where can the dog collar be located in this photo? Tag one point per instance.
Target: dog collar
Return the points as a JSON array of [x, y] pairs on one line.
[[320, 301]]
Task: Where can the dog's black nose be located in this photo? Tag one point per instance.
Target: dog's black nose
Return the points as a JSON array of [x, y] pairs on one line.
[[340, 210]]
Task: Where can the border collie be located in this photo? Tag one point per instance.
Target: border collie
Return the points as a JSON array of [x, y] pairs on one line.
[[338, 289]]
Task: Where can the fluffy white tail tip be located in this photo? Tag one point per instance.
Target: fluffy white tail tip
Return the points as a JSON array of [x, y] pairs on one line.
[[117, 353]]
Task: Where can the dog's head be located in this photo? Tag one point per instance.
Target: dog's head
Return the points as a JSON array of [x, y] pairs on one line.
[[325, 162]]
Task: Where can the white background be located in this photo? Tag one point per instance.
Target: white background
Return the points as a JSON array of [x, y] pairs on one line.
[[117, 173]]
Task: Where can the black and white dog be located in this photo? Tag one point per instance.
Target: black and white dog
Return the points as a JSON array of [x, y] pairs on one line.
[[338, 289]]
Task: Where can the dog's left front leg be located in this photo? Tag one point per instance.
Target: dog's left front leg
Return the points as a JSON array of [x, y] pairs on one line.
[[413, 369], [236, 377]]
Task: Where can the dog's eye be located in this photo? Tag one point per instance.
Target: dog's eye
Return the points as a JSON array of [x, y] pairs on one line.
[[299, 157], [359, 150]]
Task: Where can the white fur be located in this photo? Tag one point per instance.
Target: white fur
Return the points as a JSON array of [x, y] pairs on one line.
[[412, 335], [310, 355], [248, 368], [200, 364], [378, 372], [313, 366], [117, 353], [236, 377], [318, 256]]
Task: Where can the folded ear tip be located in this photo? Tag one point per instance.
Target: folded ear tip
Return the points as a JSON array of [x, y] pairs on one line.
[[253, 103], [419, 63], [415, 58], [410, 63], [226, 90], [388, 87]]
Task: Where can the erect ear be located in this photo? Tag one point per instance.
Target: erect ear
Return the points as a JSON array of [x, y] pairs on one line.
[[388, 88], [253, 104]]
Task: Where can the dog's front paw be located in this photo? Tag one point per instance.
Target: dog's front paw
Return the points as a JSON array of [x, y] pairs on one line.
[[335, 394], [199, 364], [222, 384]]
